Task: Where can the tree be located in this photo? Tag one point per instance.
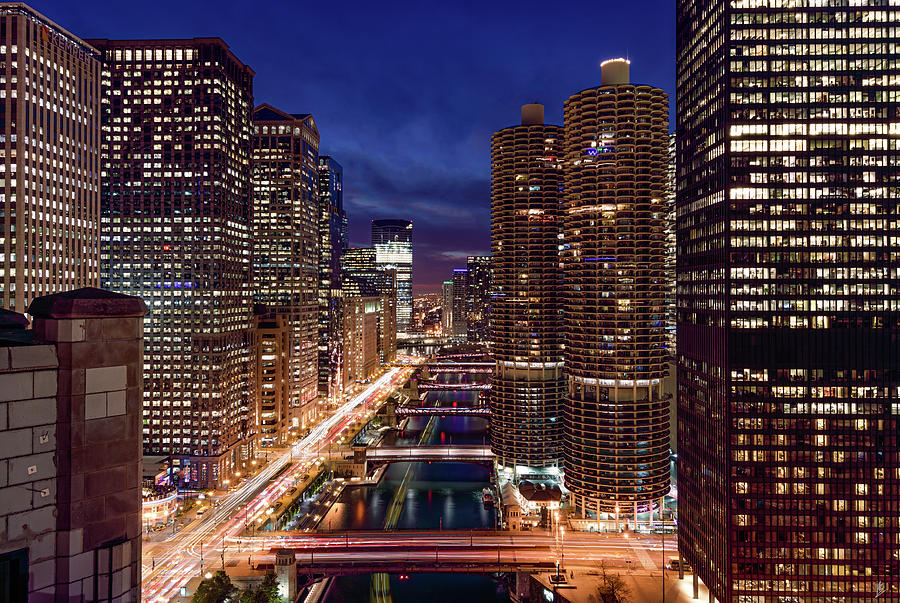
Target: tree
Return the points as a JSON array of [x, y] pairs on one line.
[[612, 589], [217, 589], [266, 593]]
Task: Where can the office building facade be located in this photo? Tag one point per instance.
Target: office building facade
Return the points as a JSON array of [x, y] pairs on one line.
[[359, 272], [616, 414], [286, 244], [175, 219], [331, 246], [788, 165], [460, 307], [446, 308], [525, 315], [392, 240], [50, 129], [361, 276], [671, 247], [479, 298]]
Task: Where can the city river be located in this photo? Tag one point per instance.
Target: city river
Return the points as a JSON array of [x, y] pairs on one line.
[[438, 496]]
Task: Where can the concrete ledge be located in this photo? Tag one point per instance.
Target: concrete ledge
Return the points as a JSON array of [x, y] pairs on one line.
[[87, 303]]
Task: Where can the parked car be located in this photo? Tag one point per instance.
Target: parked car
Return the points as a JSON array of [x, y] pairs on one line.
[[675, 563]]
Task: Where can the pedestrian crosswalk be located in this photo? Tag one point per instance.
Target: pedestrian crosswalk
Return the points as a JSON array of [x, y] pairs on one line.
[[643, 556]]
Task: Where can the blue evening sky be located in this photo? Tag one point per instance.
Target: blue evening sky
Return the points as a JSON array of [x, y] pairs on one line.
[[407, 94]]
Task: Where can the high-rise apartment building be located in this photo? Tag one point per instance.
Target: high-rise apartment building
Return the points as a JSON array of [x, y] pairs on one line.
[[392, 240], [331, 246], [616, 414], [387, 316], [360, 331], [273, 414], [369, 334], [50, 137], [788, 336], [175, 219], [286, 257], [479, 298], [525, 316], [460, 306]]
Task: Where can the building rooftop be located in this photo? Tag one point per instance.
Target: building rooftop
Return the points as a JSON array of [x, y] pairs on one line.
[[536, 492], [85, 303]]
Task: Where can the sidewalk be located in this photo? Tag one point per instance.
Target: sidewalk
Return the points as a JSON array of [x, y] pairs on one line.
[[644, 587]]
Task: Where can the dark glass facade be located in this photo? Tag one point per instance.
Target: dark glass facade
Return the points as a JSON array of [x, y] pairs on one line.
[[526, 317], [479, 302], [331, 245], [460, 279], [788, 171], [359, 273]]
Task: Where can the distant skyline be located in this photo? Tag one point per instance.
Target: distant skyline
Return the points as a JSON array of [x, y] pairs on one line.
[[407, 95]]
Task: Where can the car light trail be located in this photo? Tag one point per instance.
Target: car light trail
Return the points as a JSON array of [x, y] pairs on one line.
[[181, 559]]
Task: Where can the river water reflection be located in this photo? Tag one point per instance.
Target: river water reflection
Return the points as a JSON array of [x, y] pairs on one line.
[[440, 495]]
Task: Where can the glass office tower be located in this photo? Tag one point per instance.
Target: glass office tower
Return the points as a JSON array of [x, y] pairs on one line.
[[526, 317], [331, 246], [392, 240], [479, 294], [460, 279], [788, 161], [175, 231]]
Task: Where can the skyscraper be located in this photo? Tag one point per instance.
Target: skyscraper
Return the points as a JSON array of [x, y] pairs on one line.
[[616, 414], [50, 189], [286, 243], [273, 415], [525, 318], [479, 298], [788, 338], [392, 240], [175, 216], [460, 306], [359, 273], [363, 335], [446, 308], [331, 246], [361, 277], [670, 252]]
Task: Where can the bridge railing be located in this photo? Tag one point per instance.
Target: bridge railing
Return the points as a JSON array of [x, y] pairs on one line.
[[443, 411], [428, 387]]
